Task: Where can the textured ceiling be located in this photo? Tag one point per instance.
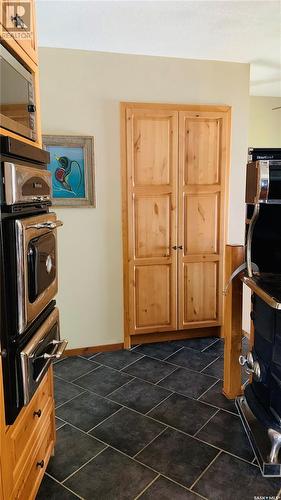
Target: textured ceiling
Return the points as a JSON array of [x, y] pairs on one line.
[[238, 31]]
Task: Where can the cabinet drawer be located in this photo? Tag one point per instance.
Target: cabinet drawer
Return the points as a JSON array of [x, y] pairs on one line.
[[36, 462], [27, 428]]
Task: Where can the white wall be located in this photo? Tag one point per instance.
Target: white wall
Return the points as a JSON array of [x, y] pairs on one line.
[[265, 124], [80, 94]]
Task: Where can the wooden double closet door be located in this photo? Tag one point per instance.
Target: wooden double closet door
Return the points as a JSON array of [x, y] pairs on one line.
[[175, 169]]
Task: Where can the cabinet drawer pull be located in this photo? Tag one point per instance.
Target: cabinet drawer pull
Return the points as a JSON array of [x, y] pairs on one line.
[[37, 413], [40, 464]]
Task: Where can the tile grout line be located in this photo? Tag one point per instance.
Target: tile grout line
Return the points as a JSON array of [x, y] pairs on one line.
[[88, 373], [203, 393], [126, 366], [135, 346], [168, 427], [164, 361], [88, 359], [163, 400], [147, 487], [207, 366], [214, 406], [145, 465], [163, 378], [176, 352], [117, 369], [197, 432], [62, 425], [86, 463], [152, 440], [65, 487], [196, 438], [148, 466], [71, 399], [174, 428], [205, 470], [112, 392], [104, 420], [153, 384], [122, 371], [213, 343]]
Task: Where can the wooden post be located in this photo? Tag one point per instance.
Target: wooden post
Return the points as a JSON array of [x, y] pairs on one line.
[[232, 329]]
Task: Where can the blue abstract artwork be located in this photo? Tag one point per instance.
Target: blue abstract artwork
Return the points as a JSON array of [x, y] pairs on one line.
[[67, 167]]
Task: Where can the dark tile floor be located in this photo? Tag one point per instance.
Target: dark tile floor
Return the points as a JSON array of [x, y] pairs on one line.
[[150, 423]]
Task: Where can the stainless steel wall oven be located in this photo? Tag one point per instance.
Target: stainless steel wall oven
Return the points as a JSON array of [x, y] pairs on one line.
[[260, 406], [30, 335]]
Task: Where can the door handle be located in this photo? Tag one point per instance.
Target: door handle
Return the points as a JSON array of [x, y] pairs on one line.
[[175, 247], [46, 225], [58, 353]]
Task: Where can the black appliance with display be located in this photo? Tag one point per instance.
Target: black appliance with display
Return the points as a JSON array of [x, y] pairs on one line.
[[30, 336], [260, 406]]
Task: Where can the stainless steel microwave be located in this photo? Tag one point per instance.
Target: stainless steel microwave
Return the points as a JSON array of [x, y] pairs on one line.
[[17, 107]]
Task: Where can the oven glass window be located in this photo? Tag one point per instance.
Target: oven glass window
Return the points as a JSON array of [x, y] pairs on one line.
[[14, 95], [41, 265]]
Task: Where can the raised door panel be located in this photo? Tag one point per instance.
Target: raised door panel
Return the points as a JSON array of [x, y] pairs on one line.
[[153, 294], [151, 212], [200, 292], [152, 160], [201, 223], [203, 167], [152, 216], [202, 150]]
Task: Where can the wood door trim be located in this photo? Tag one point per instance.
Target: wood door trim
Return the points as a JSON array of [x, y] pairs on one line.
[[193, 109], [176, 107], [125, 231]]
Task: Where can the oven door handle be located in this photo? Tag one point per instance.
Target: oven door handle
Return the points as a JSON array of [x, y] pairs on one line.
[[59, 352], [46, 225]]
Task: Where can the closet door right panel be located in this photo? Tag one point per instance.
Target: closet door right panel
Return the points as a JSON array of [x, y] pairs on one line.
[[203, 163]]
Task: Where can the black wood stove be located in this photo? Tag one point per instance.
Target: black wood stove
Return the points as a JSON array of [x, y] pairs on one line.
[[260, 406]]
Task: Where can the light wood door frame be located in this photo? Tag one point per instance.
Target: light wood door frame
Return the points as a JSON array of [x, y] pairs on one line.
[[124, 106]]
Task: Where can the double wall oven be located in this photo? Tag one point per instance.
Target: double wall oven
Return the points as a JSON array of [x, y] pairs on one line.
[[30, 334]]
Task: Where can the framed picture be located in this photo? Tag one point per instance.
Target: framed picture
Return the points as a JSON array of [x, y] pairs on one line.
[[72, 167]]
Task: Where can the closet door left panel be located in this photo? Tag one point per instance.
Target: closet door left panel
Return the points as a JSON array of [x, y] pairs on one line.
[[151, 212]]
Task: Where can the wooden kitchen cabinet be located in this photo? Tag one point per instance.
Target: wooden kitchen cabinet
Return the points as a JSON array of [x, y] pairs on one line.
[[26, 445], [174, 175], [26, 37], [26, 51]]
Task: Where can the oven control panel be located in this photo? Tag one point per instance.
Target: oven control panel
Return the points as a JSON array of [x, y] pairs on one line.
[[24, 184]]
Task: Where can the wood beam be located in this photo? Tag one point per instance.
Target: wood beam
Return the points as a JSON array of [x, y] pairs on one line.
[[232, 329]]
